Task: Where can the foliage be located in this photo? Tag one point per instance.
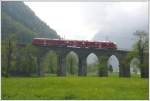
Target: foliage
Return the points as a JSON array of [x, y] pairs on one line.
[[135, 64], [27, 62], [10, 27], [110, 68], [102, 66], [18, 12], [75, 88], [19, 25], [8, 49], [92, 69], [142, 41], [50, 63], [142, 47], [140, 50], [72, 63]]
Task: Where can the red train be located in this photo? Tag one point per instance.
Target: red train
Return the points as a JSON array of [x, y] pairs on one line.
[[74, 43]]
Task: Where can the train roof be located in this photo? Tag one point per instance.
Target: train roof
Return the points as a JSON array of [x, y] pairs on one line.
[[40, 38], [46, 39], [75, 40]]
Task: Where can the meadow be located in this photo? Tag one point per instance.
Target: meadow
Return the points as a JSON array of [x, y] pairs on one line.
[[74, 87]]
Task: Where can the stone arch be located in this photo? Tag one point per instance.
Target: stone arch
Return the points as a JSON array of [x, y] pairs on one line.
[[71, 63], [49, 51], [134, 66], [40, 59], [50, 62], [91, 61], [113, 65], [124, 68], [102, 65]]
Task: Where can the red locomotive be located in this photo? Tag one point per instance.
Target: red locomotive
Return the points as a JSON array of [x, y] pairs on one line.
[[74, 43]]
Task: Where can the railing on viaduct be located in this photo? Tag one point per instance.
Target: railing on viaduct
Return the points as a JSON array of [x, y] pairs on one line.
[[102, 54]]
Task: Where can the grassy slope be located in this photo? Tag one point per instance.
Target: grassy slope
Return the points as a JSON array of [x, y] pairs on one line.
[[74, 88]]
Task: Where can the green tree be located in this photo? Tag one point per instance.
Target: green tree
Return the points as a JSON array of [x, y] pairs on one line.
[[18, 29], [102, 64], [71, 63], [141, 45], [8, 55], [110, 68], [26, 63], [50, 63], [141, 51]]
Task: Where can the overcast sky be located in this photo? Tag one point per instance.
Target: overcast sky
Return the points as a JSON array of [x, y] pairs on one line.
[[82, 20]]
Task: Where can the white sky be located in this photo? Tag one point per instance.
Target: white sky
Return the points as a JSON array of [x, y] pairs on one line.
[[82, 20]]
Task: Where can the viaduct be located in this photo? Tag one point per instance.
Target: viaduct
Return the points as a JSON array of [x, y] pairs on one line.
[[102, 54]]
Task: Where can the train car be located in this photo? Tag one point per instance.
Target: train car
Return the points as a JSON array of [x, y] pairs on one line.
[[48, 42], [74, 43], [39, 41]]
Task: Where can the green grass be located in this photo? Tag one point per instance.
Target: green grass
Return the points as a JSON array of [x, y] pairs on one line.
[[74, 87]]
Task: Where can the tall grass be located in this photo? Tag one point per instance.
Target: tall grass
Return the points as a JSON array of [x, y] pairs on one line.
[[74, 87]]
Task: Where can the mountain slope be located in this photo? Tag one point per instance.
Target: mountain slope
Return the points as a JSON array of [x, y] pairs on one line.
[[20, 21]]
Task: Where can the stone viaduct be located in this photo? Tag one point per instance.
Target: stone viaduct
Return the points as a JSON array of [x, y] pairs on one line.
[[102, 54]]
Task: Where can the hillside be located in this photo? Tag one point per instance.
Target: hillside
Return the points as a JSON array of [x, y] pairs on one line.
[[20, 22]]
